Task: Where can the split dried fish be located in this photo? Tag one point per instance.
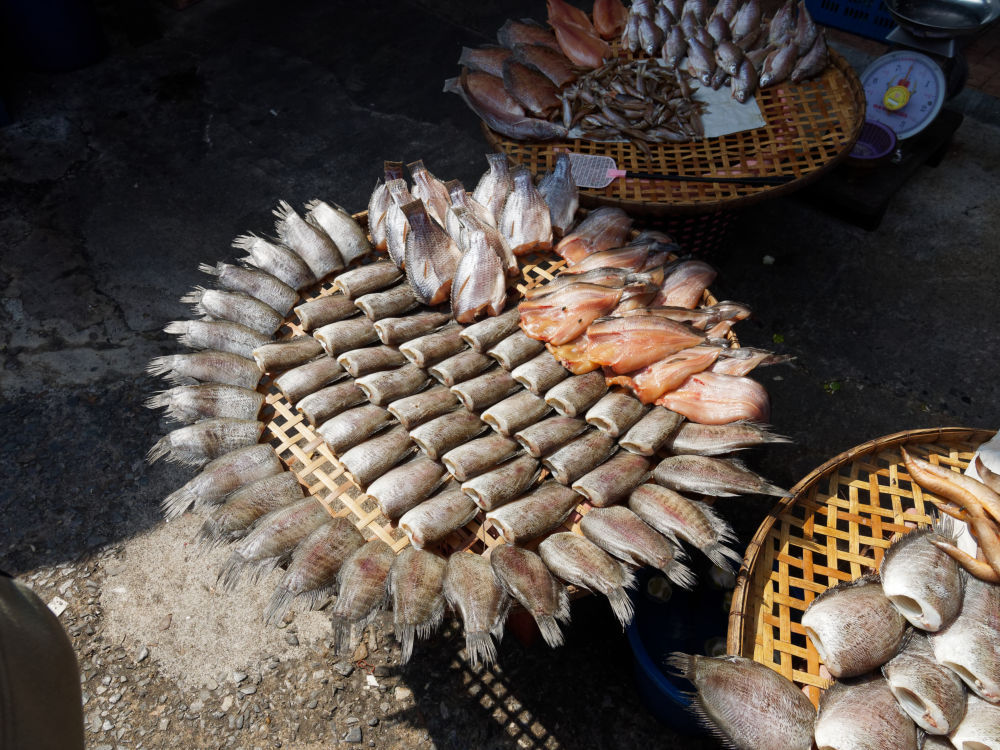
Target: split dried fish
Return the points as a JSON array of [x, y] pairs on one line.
[[362, 592], [189, 403], [552, 64], [395, 331], [441, 434], [382, 388], [388, 304], [541, 438], [492, 189], [347, 235], [478, 456], [515, 350], [630, 343], [931, 694], [329, 309], [696, 523], [406, 486], [530, 88], [420, 407], [515, 413], [415, 581], [269, 289], [524, 221], [574, 396], [579, 561], [685, 285], [369, 460], [328, 402], [854, 627], [526, 578], [303, 380], [502, 484], [622, 534], [311, 244], [488, 59], [284, 355], [534, 514], [713, 440], [345, 335], [371, 277], [579, 456], [459, 367], [486, 333], [222, 476], [863, 714], [217, 334], [276, 260], [545, 317], [653, 381], [746, 703], [207, 366], [652, 432], [712, 476], [540, 373], [473, 592], [561, 195], [312, 572], [712, 398], [480, 281], [350, 427], [612, 481], [199, 443], [431, 256], [615, 413], [485, 390], [431, 348], [603, 229], [370, 359], [234, 518], [438, 516]]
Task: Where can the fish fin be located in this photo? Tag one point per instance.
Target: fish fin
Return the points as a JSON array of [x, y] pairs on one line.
[[284, 212], [719, 525], [232, 571], [681, 574], [481, 648], [551, 633], [176, 327], [161, 449], [681, 664], [405, 635], [946, 527], [158, 400], [722, 555], [621, 605], [245, 242], [161, 366], [280, 602], [316, 598], [314, 204], [210, 535], [210, 269], [177, 502], [194, 298]]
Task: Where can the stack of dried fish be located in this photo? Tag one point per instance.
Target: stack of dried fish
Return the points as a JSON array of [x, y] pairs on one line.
[[730, 43]]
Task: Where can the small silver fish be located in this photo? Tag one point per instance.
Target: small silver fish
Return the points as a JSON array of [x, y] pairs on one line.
[[371, 277], [536, 513], [382, 388], [813, 62], [347, 235], [747, 19], [561, 195], [207, 366], [189, 403], [431, 256], [863, 714], [306, 379], [524, 221], [415, 581], [328, 402], [473, 592], [746, 703], [548, 435], [441, 434], [923, 582], [712, 476], [729, 57], [932, 695], [284, 355], [484, 334], [701, 61], [362, 592], [979, 728], [504, 483], [970, 645], [369, 460], [345, 335], [650, 36], [854, 627], [311, 244], [616, 413], [378, 204], [234, 518], [480, 281], [395, 331], [370, 359], [459, 367], [779, 64], [348, 428], [579, 456], [276, 260], [222, 476], [540, 373], [651, 432], [515, 413], [484, 390], [312, 572], [420, 407], [436, 517], [613, 480], [621, 533], [272, 541], [261, 285], [217, 334], [431, 348], [524, 576], [390, 303], [574, 396], [406, 486], [322, 310], [718, 29], [237, 307], [199, 443], [579, 561], [515, 350], [478, 456], [675, 47]]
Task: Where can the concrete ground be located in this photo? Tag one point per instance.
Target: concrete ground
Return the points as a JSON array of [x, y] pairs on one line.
[[118, 179]]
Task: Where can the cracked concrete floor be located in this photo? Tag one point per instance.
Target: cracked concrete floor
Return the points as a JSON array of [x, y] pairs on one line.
[[118, 179]]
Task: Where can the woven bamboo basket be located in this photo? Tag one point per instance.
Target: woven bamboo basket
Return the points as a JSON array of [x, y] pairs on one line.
[[811, 126], [324, 477], [835, 527]]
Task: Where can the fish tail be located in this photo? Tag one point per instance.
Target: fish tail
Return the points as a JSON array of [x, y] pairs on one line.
[[281, 600], [194, 297], [481, 648], [158, 400], [177, 502], [722, 555], [621, 605], [211, 270], [314, 204], [177, 328], [162, 449], [682, 664], [316, 598], [284, 212], [767, 488], [945, 526], [343, 634], [405, 634], [681, 574], [209, 536], [232, 571], [161, 366], [245, 242], [550, 630], [562, 610]]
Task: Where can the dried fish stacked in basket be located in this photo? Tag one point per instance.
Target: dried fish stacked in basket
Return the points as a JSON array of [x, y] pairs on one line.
[[545, 80], [447, 427]]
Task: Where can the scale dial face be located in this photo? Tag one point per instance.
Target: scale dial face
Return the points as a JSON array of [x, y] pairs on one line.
[[905, 91]]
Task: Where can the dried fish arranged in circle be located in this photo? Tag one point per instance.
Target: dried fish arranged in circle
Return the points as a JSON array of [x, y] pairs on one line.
[[485, 334], [534, 514], [524, 221], [615, 413], [348, 428], [406, 486], [207, 366], [504, 483], [712, 476], [441, 434], [579, 456], [603, 229], [561, 195], [284, 355], [372, 277], [431, 348], [222, 476], [323, 310], [415, 581], [370, 359], [431, 256], [362, 592], [711, 398], [582, 563], [328, 402], [345, 335], [347, 235], [479, 455], [459, 367], [369, 460], [303, 380], [234, 518], [480, 281], [189, 403], [515, 350], [482, 604], [276, 260], [311, 244], [485, 390], [217, 334], [712, 440], [382, 388], [526, 578], [420, 407], [261, 285], [199, 443], [540, 373], [574, 396], [396, 331], [515, 413], [236, 307], [652, 432], [540, 438], [435, 518], [387, 304]]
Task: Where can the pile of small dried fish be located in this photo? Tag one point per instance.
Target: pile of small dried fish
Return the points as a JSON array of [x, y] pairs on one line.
[[730, 43], [915, 649], [440, 423], [633, 99]]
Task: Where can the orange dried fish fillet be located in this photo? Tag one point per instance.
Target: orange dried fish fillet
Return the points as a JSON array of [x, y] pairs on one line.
[[710, 398], [630, 343]]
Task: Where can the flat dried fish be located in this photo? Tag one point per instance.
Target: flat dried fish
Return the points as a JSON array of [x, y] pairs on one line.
[[303, 380], [234, 518], [526, 578], [711, 440], [515, 413], [612, 481], [603, 229], [431, 348], [473, 592], [387, 386], [484, 334], [415, 582], [581, 562], [237, 307], [515, 350], [580, 455], [420, 407], [492, 189], [441, 434], [345, 335], [322, 310], [359, 362], [217, 334], [480, 281], [362, 592], [276, 260], [540, 438], [652, 432], [406, 486], [615, 413], [524, 221], [284, 355], [395, 331], [485, 390], [189, 403], [328, 402], [347, 235], [477, 456], [311, 244], [536, 513], [712, 476], [199, 443], [372, 277], [222, 476], [540, 373], [504, 483], [389, 303], [438, 516], [350, 427], [269, 289], [369, 460], [431, 256], [459, 367], [207, 366]]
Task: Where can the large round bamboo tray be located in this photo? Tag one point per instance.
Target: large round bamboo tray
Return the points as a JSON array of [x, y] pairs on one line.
[[324, 477], [835, 527], [811, 127]]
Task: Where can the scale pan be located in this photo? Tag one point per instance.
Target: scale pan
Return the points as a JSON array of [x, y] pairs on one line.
[[944, 18]]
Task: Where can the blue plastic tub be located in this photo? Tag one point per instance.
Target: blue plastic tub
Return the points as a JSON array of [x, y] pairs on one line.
[[867, 18], [690, 621]]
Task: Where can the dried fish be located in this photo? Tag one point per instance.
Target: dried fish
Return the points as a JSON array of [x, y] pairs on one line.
[[652, 432], [303, 380], [379, 202], [473, 592], [630, 343], [406, 486], [931, 694], [189, 403], [323, 310], [536, 513], [276, 260], [863, 714], [348, 428], [524, 221], [923, 582], [283, 355], [553, 64], [526, 31], [970, 645], [579, 456], [370, 359], [502, 484], [441, 434], [345, 335], [515, 350], [395, 331], [431, 348], [545, 317], [477, 456], [388, 304], [540, 373], [396, 225], [362, 592], [712, 476], [573, 355], [486, 333], [531, 89], [979, 728], [217, 334], [431, 256], [222, 476], [540, 438], [311, 244], [711, 398], [372, 277], [485, 390], [603, 229], [234, 518], [328, 402], [488, 59], [207, 366], [382, 388], [526, 578], [438, 516], [420, 407], [515, 413], [613, 480], [574, 396], [713, 440], [199, 443], [581, 562], [615, 413], [369, 460], [269, 289], [480, 282], [347, 235], [459, 367], [415, 581], [496, 183], [430, 190]]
